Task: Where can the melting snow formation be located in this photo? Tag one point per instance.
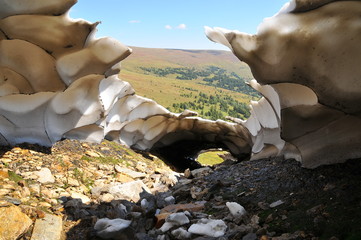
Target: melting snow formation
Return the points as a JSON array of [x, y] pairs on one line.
[[58, 81], [306, 60]]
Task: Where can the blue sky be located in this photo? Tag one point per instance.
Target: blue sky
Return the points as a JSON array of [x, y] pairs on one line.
[[173, 23]]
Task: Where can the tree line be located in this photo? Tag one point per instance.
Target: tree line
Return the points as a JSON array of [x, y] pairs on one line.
[[211, 76], [214, 106]]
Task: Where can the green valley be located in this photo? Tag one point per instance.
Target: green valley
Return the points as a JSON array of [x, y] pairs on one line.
[[209, 82]]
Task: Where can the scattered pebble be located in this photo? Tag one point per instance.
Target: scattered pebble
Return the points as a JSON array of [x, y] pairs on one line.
[[276, 204]]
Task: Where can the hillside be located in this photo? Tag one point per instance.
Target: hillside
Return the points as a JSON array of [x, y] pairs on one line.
[[73, 187], [210, 82]]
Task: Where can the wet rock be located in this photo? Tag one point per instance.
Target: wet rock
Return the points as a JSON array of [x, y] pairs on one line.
[[250, 236], [50, 227], [13, 223], [45, 176], [209, 227], [112, 228]]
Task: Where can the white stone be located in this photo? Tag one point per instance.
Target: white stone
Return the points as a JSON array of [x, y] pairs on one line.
[[236, 209], [209, 227], [174, 219], [166, 226], [144, 203], [276, 204], [45, 176], [109, 228], [128, 191], [178, 218]]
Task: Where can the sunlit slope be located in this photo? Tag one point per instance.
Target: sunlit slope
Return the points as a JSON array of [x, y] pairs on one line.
[[151, 73], [156, 57]]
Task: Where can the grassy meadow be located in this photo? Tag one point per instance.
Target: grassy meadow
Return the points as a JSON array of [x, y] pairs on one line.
[[176, 80]]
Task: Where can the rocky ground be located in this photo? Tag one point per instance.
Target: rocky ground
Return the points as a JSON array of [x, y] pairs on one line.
[[105, 191]]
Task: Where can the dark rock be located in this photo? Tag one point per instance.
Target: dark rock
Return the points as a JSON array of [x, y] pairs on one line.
[[250, 236]]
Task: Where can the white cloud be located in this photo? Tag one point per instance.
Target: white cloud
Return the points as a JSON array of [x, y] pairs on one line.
[[134, 21], [182, 26], [169, 27]]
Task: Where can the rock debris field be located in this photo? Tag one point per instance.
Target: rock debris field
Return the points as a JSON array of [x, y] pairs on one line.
[[105, 191]]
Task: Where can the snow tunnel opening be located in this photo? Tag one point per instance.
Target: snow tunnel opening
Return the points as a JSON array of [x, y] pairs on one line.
[[184, 154]]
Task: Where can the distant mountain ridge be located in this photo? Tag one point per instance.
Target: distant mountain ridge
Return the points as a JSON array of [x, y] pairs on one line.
[[186, 58]]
